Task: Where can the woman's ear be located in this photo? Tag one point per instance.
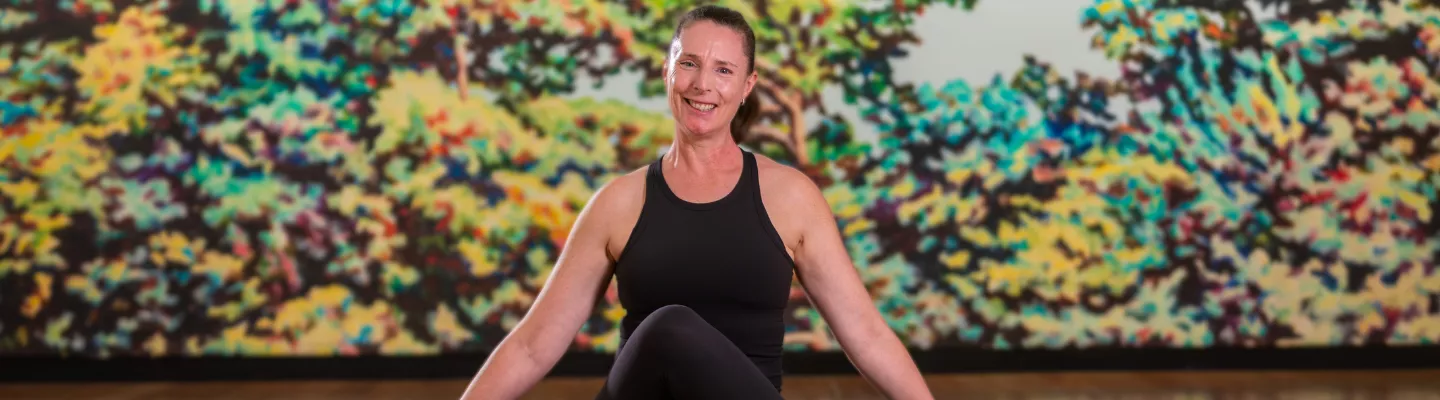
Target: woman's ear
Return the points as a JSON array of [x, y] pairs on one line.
[[665, 74], [750, 83]]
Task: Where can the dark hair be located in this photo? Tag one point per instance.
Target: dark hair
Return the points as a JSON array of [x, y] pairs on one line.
[[749, 110]]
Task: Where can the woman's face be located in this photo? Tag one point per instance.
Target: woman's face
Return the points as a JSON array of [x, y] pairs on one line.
[[706, 78]]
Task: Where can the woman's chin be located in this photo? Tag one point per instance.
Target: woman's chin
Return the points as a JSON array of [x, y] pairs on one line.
[[699, 129]]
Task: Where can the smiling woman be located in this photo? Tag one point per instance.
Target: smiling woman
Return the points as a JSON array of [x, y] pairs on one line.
[[703, 244], [709, 99]]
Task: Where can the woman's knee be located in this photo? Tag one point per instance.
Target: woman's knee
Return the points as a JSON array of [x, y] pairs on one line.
[[670, 326], [674, 314]]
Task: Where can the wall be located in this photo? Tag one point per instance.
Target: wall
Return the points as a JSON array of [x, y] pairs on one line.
[[264, 178]]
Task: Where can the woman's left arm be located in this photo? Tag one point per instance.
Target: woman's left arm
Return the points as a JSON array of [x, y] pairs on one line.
[[828, 275]]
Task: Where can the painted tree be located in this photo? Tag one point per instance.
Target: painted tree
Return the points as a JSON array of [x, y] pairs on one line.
[[457, 205], [398, 176], [1035, 216], [1299, 119], [94, 85], [801, 47]]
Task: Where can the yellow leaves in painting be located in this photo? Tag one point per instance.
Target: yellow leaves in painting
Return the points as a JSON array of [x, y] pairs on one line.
[[134, 58], [1277, 116], [84, 287], [39, 297], [131, 63], [1041, 263], [156, 344], [220, 265], [176, 248], [235, 340], [1106, 167], [373, 214], [448, 330], [582, 130], [20, 193], [482, 261], [54, 331], [934, 206], [421, 108], [1067, 244], [956, 259], [1042, 266], [404, 343], [1288, 293], [58, 152], [29, 238], [251, 298], [553, 208], [328, 320], [459, 208]]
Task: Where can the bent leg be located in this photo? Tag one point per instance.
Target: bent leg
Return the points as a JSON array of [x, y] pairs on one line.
[[675, 354]]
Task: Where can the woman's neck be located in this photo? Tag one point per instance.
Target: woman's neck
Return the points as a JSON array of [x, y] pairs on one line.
[[716, 153]]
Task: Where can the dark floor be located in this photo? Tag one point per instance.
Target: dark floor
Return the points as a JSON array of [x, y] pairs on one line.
[[1049, 386]]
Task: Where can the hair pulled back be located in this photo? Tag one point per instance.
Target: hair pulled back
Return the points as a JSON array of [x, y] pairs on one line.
[[749, 110]]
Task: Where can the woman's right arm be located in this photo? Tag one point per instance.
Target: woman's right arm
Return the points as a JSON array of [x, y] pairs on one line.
[[581, 273]]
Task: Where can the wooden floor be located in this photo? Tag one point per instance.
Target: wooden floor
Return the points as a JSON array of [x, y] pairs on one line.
[[1056, 386]]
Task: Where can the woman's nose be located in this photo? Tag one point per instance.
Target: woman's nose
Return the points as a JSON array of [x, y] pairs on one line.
[[704, 81]]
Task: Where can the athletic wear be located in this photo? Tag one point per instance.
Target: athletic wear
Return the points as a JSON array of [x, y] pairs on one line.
[[675, 354], [724, 260]]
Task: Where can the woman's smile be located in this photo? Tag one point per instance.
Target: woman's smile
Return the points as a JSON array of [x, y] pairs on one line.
[[705, 108]]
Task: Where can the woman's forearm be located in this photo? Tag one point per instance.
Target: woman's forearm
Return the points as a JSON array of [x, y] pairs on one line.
[[884, 361], [509, 372]]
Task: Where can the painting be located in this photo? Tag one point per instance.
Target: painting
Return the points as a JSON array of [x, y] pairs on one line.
[[397, 177]]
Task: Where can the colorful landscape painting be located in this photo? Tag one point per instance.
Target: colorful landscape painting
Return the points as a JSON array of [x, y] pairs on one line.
[[397, 177]]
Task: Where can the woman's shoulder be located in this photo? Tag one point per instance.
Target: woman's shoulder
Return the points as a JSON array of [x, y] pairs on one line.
[[786, 184], [622, 193], [614, 208]]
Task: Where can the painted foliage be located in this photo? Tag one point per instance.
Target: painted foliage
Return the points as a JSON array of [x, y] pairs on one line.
[[268, 177]]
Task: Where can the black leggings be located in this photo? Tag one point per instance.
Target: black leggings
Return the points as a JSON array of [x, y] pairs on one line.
[[675, 354]]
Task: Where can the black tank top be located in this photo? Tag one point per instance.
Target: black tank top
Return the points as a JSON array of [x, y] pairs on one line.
[[722, 259]]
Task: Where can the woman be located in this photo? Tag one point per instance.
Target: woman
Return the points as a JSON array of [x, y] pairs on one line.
[[702, 244]]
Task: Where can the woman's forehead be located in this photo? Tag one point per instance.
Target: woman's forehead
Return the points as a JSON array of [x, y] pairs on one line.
[[710, 41], [711, 36]]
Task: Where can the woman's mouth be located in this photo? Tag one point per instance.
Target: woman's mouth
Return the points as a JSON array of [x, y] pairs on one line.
[[702, 107]]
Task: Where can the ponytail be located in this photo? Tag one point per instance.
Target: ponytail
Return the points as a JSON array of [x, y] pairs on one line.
[[744, 117]]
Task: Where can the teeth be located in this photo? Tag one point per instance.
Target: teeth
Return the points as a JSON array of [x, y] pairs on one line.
[[700, 106]]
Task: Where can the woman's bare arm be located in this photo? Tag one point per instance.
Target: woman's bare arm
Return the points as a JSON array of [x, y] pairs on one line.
[[829, 278], [581, 273]]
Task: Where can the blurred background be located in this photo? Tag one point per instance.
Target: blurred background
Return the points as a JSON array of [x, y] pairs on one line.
[[377, 189]]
